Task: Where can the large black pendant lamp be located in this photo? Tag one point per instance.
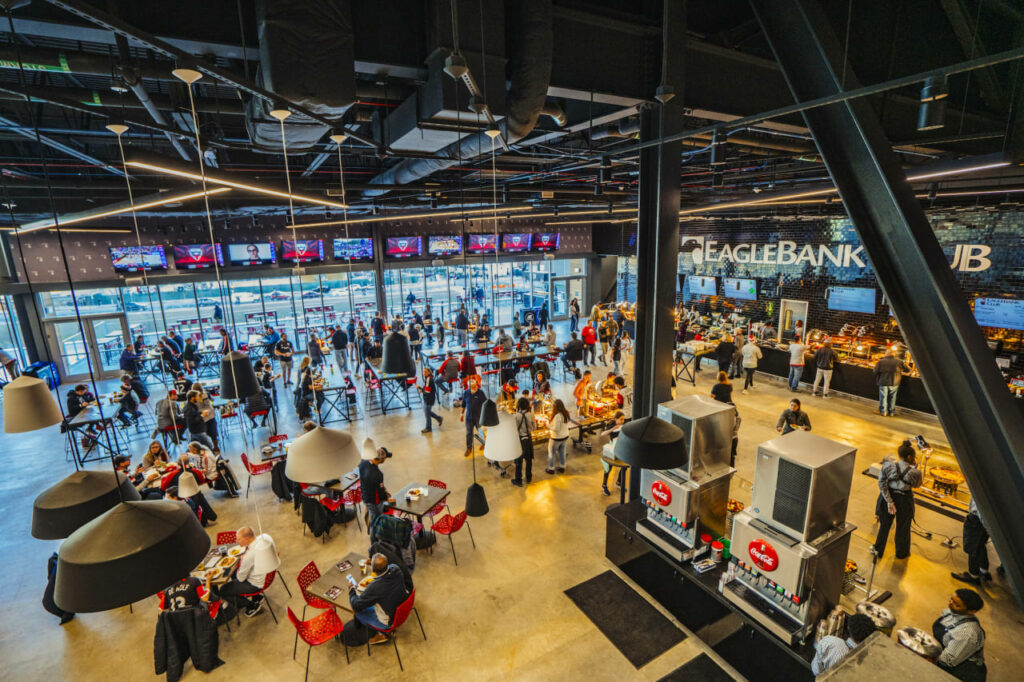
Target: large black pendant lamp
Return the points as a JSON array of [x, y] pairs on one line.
[[476, 498], [69, 504], [131, 552], [237, 377], [489, 413], [651, 443], [396, 355]]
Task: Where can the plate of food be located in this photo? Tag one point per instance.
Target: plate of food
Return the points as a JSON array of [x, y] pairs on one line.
[[236, 551], [212, 574], [417, 491], [226, 561]]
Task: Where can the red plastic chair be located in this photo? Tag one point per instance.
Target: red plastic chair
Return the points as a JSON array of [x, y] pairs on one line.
[[258, 413], [354, 497], [267, 582], [401, 615], [307, 576], [254, 470], [449, 524], [440, 506], [228, 537], [316, 631]]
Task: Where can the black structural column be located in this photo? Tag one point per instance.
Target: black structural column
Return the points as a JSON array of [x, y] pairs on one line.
[[970, 398], [657, 237]]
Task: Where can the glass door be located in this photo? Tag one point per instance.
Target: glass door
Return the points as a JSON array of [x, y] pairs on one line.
[[563, 290], [105, 338]]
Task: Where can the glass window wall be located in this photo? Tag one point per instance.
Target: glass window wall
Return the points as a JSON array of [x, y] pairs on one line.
[[10, 336]]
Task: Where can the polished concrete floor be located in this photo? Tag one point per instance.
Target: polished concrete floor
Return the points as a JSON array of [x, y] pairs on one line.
[[501, 613]]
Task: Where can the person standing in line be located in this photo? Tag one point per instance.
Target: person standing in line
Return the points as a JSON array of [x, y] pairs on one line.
[[350, 332], [792, 419], [589, 336], [473, 399], [461, 327], [824, 363], [888, 372], [724, 351], [283, 350], [559, 428], [976, 547], [525, 425], [962, 637], [339, 343], [896, 482], [737, 357], [429, 393], [574, 315], [377, 327], [616, 353], [542, 316], [751, 354], [797, 350]]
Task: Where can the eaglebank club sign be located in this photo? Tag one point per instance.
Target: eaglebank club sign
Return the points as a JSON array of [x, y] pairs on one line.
[[966, 257]]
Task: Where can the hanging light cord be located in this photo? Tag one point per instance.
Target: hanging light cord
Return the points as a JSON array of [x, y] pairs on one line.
[[60, 242]]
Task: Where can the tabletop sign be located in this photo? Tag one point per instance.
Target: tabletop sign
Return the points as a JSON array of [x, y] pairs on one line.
[[279, 438], [763, 555], [661, 493]]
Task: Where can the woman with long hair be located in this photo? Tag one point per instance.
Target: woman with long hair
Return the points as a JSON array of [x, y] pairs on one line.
[[558, 425], [156, 456], [722, 390]]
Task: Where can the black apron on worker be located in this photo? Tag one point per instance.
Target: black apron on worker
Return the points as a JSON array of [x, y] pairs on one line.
[[970, 669]]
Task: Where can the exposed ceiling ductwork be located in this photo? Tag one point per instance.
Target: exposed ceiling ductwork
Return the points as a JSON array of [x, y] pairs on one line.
[[529, 24]]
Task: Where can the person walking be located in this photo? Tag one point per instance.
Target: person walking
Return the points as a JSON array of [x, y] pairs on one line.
[[525, 425], [751, 354], [724, 351], [461, 327], [792, 419], [429, 392], [339, 343], [976, 547], [824, 363], [283, 350], [473, 399], [589, 336], [896, 481], [797, 350], [888, 372], [558, 425]]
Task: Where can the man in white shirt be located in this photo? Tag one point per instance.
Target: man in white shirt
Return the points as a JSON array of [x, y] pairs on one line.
[[797, 350], [830, 650], [246, 580]]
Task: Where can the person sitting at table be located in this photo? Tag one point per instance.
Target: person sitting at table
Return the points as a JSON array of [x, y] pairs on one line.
[[128, 406], [374, 352], [448, 371], [139, 345], [549, 337], [506, 344], [830, 650], [194, 419], [196, 499], [129, 361], [156, 456], [467, 365], [214, 468], [483, 334], [169, 355], [572, 353], [168, 415], [371, 482], [130, 382], [78, 399], [146, 480], [172, 494], [246, 579], [182, 384], [308, 426], [376, 605], [541, 386], [185, 594], [259, 402], [177, 339]]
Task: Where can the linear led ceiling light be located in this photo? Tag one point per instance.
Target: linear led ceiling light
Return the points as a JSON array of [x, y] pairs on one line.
[[120, 208], [237, 185], [411, 216]]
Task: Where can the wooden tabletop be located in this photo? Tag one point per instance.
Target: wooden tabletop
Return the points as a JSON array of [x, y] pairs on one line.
[[89, 415], [225, 576], [346, 482], [335, 577], [421, 506]]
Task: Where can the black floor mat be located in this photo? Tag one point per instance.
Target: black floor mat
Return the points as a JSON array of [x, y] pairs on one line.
[[637, 629], [700, 669]]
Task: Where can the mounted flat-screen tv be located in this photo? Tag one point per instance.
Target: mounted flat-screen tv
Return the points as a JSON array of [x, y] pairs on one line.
[[1005, 313], [482, 243], [358, 249], [852, 299], [302, 251], [444, 244], [745, 289], [403, 247], [252, 253], [545, 241], [136, 259], [702, 286], [197, 256], [515, 242]]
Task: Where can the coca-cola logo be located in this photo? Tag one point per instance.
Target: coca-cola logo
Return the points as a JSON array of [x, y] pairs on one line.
[[661, 493], [763, 555]]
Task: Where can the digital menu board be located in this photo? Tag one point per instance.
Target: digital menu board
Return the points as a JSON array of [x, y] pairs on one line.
[[545, 241], [197, 256], [745, 289], [403, 247], [702, 286], [852, 299], [482, 243], [444, 244], [137, 259], [1005, 313], [302, 250], [515, 242], [355, 249], [253, 253]]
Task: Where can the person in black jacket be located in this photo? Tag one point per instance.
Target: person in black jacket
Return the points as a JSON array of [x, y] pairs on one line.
[[371, 481], [194, 421], [129, 361], [377, 604], [78, 399], [339, 342], [48, 603], [573, 352], [824, 364], [724, 351], [888, 372], [429, 393]]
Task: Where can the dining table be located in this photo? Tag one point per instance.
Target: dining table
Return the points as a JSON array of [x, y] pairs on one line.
[[420, 507], [332, 586]]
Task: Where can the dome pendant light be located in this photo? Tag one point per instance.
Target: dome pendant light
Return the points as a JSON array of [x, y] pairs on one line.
[[129, 553], [321, 455], [29, 405], [651, 443], [237, 377], [69, 504]]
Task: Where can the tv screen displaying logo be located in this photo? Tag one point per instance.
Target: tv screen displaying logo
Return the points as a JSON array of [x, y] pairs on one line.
[[135, 259], [444, 244], [356, 248], [197, 256], [403, 247], [302, 251], [482, 243], [256, 253], [515, 242], [545, 241]]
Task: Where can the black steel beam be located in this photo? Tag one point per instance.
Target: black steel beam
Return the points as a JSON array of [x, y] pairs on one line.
[[657, 240], [970, 398], [973, 44]]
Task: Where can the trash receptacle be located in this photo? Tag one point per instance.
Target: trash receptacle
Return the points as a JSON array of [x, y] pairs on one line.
[[47, 371]]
